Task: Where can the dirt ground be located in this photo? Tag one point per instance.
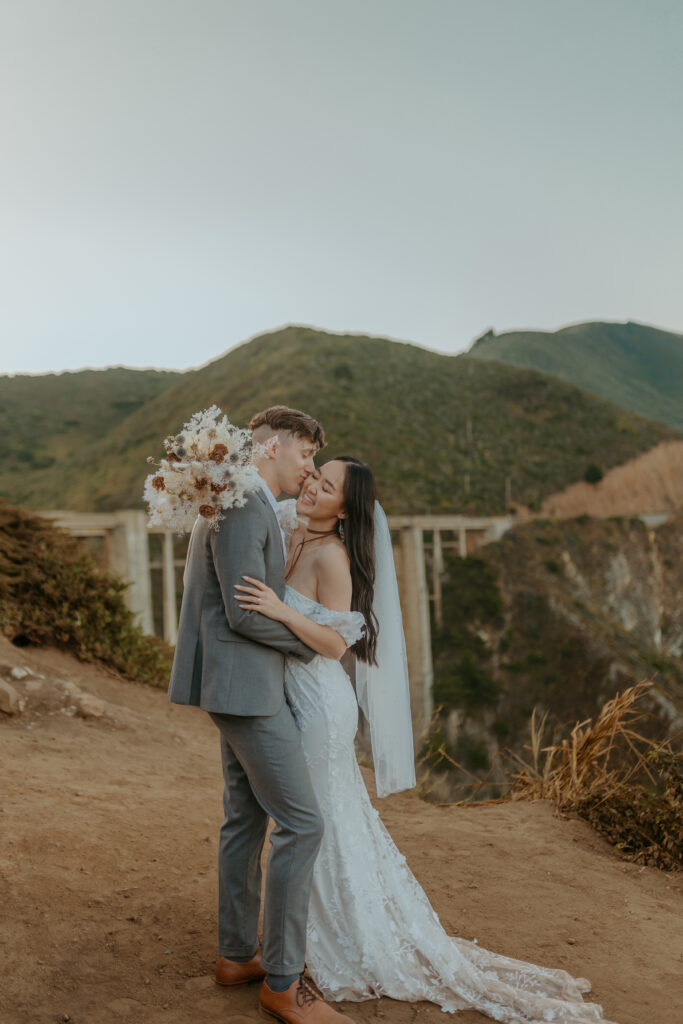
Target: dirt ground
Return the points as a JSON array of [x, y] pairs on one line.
[[109, 818]]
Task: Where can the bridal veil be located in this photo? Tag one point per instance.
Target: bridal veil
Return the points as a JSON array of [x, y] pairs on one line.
[[383, 690]]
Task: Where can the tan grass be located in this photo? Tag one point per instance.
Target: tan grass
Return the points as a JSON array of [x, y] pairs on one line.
[[592, 759]]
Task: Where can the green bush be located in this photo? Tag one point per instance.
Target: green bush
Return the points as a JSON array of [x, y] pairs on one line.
[[593, 474], [471, 598], [465, 684], [51, 592]]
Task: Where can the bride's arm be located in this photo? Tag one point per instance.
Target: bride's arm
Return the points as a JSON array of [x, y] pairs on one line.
[[334, 592]]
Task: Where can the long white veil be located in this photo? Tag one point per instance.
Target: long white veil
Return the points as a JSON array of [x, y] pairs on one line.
[[383, 690]]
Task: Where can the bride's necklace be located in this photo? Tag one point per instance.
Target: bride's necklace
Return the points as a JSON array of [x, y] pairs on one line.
[[317, 534]]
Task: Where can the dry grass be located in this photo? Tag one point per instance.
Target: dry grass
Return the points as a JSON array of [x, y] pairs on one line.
[[629, 787], [591, 760]]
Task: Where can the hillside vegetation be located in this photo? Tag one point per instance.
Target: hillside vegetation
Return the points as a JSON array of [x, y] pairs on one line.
[[443, 433], [557, 616], [634, 365], [45, 420]]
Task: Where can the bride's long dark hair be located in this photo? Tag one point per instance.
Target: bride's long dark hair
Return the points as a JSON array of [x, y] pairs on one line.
[[359, 539]]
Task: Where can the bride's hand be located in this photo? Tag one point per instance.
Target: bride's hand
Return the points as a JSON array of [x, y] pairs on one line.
[[260, 598]]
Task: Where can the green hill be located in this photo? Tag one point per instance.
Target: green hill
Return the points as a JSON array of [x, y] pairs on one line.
[[442, 432], [46, 419], [631, 364]]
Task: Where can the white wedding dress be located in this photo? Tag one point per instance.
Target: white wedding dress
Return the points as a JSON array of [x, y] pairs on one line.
[[371, 929]]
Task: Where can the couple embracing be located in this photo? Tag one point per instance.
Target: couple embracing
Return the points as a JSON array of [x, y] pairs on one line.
[[272, 601]]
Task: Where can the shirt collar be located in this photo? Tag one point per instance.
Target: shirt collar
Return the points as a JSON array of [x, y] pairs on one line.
[[274, 505], [269, 495]]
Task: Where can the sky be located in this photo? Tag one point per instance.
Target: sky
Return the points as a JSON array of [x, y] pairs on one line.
[[179, 175]]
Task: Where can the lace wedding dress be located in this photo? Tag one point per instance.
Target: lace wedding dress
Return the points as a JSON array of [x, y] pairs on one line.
[[371, 929]]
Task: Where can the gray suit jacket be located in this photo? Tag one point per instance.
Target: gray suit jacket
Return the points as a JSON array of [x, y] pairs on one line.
[[228, 660]]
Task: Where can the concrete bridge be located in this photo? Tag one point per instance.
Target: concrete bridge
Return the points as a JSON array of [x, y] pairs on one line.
[[151, 562]]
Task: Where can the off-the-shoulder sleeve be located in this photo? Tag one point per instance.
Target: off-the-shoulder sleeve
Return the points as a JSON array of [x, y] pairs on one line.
[[349, 625]]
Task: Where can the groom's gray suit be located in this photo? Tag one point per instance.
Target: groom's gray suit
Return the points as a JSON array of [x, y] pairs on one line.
[[230, 662]]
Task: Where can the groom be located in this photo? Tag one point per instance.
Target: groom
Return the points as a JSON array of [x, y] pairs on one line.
[[230, 662]]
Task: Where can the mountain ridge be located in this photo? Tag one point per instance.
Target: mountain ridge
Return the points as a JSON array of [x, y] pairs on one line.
[[632, 364], [443, 432]]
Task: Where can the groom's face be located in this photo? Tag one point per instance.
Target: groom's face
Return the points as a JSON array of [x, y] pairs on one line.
[[294, 461]]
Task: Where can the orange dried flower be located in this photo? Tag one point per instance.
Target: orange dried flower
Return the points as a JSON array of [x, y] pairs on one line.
[[208, 511], [219, 488], [202, 482], [218, 453], [172, 457], [158, 483]]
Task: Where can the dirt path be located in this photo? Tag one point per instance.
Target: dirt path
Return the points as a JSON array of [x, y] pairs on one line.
[[108, 884]]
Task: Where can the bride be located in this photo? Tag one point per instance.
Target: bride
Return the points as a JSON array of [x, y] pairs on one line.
[[371, 929]]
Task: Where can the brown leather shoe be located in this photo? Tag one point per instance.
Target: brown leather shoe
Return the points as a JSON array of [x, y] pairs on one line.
[[299, 1004], [234, 975]]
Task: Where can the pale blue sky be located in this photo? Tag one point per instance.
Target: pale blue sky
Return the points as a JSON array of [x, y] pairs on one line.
[[177, 175]]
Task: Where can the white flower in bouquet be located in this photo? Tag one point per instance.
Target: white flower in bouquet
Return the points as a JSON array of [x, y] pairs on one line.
[[208, 469]]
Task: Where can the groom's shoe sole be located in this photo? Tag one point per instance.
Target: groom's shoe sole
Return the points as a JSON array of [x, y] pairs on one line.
[[239, 984], [230, 974], [272, 1015]]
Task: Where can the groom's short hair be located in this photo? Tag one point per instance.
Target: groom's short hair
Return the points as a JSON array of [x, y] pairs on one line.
[[281, 417]]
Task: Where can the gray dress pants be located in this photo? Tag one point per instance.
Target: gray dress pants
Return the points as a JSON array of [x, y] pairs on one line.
[[265, 776]]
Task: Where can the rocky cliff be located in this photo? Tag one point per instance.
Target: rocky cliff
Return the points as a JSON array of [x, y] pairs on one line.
[[557, 616]]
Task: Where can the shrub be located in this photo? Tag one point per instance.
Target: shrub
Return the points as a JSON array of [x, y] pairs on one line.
[[465, 684], [51, 592], [644, 825], [471, 598], [593, 474]]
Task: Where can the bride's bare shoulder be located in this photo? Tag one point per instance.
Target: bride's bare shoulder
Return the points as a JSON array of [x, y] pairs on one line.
[[333, 577], [332, 558]]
